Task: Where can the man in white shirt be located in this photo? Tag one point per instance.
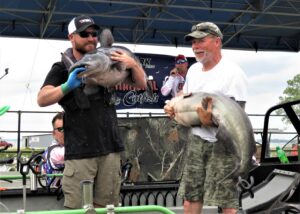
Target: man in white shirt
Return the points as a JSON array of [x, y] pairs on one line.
[[208, 159], [174, 83]]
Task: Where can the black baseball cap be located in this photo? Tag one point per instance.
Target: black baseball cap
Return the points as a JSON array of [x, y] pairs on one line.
[[80, 23]]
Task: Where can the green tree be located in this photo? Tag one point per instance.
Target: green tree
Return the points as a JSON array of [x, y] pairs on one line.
[[291, 93]]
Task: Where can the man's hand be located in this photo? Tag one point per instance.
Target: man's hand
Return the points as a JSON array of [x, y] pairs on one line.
[[169, 111], [173, 72], [204, 111], [123, 57], [73, 81]]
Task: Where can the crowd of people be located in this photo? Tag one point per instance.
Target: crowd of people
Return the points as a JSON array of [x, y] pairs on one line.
[[88, 128]]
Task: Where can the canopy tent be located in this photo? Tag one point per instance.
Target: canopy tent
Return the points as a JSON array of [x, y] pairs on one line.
[[246, 24]]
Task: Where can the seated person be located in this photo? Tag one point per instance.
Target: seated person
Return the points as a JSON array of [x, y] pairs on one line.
[[54, 154]]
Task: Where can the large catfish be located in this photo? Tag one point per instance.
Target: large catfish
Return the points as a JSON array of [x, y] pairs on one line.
[[100, 69], [234, 126]]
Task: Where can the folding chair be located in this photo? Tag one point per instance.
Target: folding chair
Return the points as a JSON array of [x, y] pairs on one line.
[[270, 196]]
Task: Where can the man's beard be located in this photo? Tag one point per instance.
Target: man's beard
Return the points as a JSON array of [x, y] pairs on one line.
[[180, 71], [81, 48], [205, 54]]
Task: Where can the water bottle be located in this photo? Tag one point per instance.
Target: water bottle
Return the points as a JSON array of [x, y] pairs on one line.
[[87, 196], [281, 155]]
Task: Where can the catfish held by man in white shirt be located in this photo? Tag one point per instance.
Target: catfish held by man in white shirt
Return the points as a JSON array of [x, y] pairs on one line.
[[232, 124]]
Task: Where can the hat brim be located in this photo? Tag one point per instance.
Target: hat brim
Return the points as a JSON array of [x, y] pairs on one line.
[[84, 27], [195, 35]]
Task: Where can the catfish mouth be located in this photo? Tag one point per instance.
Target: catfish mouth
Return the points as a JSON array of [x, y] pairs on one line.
[[89, 70]]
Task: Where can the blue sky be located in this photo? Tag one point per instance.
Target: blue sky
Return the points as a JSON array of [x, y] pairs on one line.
[[29, 61]]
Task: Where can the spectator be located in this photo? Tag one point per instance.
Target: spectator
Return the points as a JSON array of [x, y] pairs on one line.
[[55, 153], [173, 84]]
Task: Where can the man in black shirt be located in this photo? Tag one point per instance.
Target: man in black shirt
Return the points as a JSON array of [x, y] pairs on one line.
[[92, 139]]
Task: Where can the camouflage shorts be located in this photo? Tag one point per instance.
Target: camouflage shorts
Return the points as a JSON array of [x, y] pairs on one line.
[[206, 164]]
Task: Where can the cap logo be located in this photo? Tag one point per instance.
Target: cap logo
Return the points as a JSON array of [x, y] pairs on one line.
[[80, 23], [85, 20]]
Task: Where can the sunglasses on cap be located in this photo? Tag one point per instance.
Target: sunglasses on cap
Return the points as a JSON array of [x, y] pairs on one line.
[[84, 34], [204, 29], [180, 61], [59, 129]]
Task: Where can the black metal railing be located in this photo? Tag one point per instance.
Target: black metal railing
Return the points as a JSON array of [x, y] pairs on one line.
[[20, 124]]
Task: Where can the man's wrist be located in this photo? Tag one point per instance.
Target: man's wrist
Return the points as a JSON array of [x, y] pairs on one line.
[[64, 87]]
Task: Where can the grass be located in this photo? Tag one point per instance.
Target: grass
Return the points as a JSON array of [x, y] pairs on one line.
[[12, 152]]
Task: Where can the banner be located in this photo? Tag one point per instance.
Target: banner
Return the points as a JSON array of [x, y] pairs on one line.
[[155, 148], [156, 66]]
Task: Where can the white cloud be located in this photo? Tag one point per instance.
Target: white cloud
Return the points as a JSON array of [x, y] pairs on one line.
[[267, 73]]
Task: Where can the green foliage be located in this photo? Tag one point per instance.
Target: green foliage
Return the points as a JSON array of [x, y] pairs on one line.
[[12, 152], [291, 93]]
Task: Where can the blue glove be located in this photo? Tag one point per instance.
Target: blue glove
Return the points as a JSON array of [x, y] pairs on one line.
[[72, 82]]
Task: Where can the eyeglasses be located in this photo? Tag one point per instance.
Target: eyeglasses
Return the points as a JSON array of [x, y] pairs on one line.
[[84, 34], [59, 129]]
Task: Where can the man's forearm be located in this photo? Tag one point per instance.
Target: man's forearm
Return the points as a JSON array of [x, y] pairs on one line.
[[138, 76], [49, 95]]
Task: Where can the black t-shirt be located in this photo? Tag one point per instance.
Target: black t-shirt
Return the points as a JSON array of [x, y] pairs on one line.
[[90, 122], [57, 75]]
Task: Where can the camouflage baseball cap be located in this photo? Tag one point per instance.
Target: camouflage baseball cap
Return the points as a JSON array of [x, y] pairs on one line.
[[202, 29]]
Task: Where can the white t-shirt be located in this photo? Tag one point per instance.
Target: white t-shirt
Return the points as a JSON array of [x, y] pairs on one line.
[[225, 78]]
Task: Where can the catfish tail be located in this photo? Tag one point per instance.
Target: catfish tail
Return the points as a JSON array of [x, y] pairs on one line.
[[232, 146]]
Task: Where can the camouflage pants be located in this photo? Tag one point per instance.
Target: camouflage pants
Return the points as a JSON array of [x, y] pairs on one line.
[[206, 164]]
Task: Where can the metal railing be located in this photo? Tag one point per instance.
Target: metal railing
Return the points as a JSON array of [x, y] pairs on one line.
[[20, 130], [132, 209]]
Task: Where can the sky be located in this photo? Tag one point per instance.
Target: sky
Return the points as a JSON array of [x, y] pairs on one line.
[[29, 61]]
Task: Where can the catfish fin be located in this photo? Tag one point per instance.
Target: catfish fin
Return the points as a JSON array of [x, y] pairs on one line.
[[66, 60], [106, 38]]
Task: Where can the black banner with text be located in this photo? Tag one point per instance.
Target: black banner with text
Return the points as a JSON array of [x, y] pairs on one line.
[[156, 66]]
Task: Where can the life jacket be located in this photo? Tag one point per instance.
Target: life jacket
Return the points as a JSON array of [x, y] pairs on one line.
[[90, 120], [47, 166]]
